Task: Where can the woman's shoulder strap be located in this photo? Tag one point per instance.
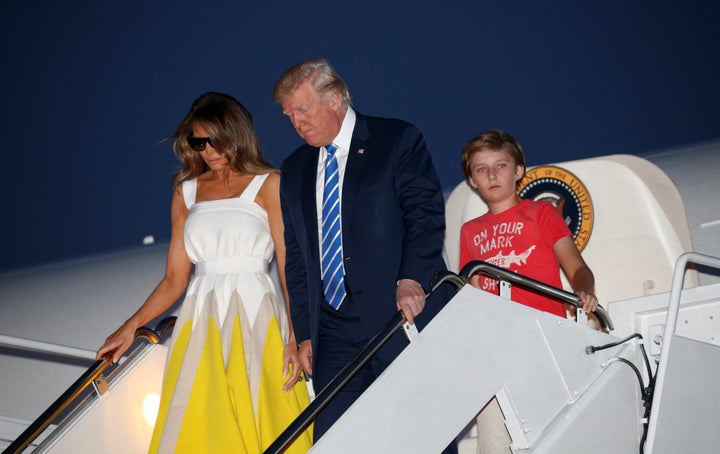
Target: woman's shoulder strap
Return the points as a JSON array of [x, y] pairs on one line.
[[252, 189], [189, 189]]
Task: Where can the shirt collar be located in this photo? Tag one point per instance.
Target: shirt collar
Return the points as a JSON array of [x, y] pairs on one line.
[[344, 137]]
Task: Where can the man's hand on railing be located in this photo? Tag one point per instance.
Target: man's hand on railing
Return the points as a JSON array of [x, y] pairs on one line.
[[410, 298]]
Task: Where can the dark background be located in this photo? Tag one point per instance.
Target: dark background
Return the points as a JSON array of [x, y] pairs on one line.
[[90, 89]]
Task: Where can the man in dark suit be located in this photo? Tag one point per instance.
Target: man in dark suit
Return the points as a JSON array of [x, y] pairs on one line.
[[392, 225]]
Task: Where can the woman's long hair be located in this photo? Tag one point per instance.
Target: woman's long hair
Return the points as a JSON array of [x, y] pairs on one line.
[[230, 127]]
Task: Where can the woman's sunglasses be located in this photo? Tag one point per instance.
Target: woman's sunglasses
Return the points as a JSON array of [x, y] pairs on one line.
[[198, 143]]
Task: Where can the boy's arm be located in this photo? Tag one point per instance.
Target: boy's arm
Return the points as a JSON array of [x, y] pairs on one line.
[[578, 273]]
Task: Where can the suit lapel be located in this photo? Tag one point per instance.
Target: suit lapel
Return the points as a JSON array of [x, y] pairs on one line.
[[308, 200], [355, 167]]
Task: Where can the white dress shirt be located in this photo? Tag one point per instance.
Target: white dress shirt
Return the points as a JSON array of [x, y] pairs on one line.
[[342, 142]]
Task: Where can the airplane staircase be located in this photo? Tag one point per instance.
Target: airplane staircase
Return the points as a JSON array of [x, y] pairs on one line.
[[562, 386], [481, 346]]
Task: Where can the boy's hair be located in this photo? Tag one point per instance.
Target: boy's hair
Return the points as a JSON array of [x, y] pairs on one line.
[[494, 139]]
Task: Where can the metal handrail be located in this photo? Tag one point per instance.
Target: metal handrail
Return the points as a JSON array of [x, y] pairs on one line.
[[349, 371], [673, 310], [85, 380], [46, 347], [532, 285]]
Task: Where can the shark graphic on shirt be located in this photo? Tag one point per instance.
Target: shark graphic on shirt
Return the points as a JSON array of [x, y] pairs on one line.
[[505, 261]]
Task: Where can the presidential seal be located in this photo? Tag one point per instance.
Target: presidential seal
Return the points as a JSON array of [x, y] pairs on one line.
[[569, 195]]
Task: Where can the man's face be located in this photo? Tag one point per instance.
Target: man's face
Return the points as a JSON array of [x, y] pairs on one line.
[[317, 121]]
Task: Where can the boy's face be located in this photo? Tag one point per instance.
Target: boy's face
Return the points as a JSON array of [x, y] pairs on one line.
[[494, 174]]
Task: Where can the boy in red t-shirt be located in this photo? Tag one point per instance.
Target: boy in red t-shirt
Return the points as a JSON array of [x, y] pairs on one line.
[[523, 236]]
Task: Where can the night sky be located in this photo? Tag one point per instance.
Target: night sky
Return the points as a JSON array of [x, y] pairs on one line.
[[91, 89]]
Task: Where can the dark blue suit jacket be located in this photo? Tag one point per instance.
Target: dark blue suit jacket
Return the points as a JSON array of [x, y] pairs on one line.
[[392, 226]]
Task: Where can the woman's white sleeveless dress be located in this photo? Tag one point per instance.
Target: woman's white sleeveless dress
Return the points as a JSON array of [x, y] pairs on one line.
[[222, 389]]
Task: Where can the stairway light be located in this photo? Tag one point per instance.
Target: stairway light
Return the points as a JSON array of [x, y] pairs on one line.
[[150, 407]]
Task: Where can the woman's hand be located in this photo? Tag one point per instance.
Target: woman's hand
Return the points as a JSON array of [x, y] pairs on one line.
[[291, 365], [117, 343]]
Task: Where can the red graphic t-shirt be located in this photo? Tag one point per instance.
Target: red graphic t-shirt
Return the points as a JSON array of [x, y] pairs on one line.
[[521, 240]]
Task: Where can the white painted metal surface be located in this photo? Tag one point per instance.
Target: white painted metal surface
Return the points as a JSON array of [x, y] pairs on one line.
[[478, 345], [116, 422], [687, 392]]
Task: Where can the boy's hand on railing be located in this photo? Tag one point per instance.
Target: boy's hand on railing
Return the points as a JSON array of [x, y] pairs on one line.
[[589, 300]]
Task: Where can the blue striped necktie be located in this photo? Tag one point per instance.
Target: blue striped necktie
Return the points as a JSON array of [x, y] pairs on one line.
[[331, 260]]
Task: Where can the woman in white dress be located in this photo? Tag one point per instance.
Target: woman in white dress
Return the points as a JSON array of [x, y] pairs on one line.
[[229, 383]]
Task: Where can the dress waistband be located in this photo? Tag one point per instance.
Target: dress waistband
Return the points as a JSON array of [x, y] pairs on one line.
[[234, 265]]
